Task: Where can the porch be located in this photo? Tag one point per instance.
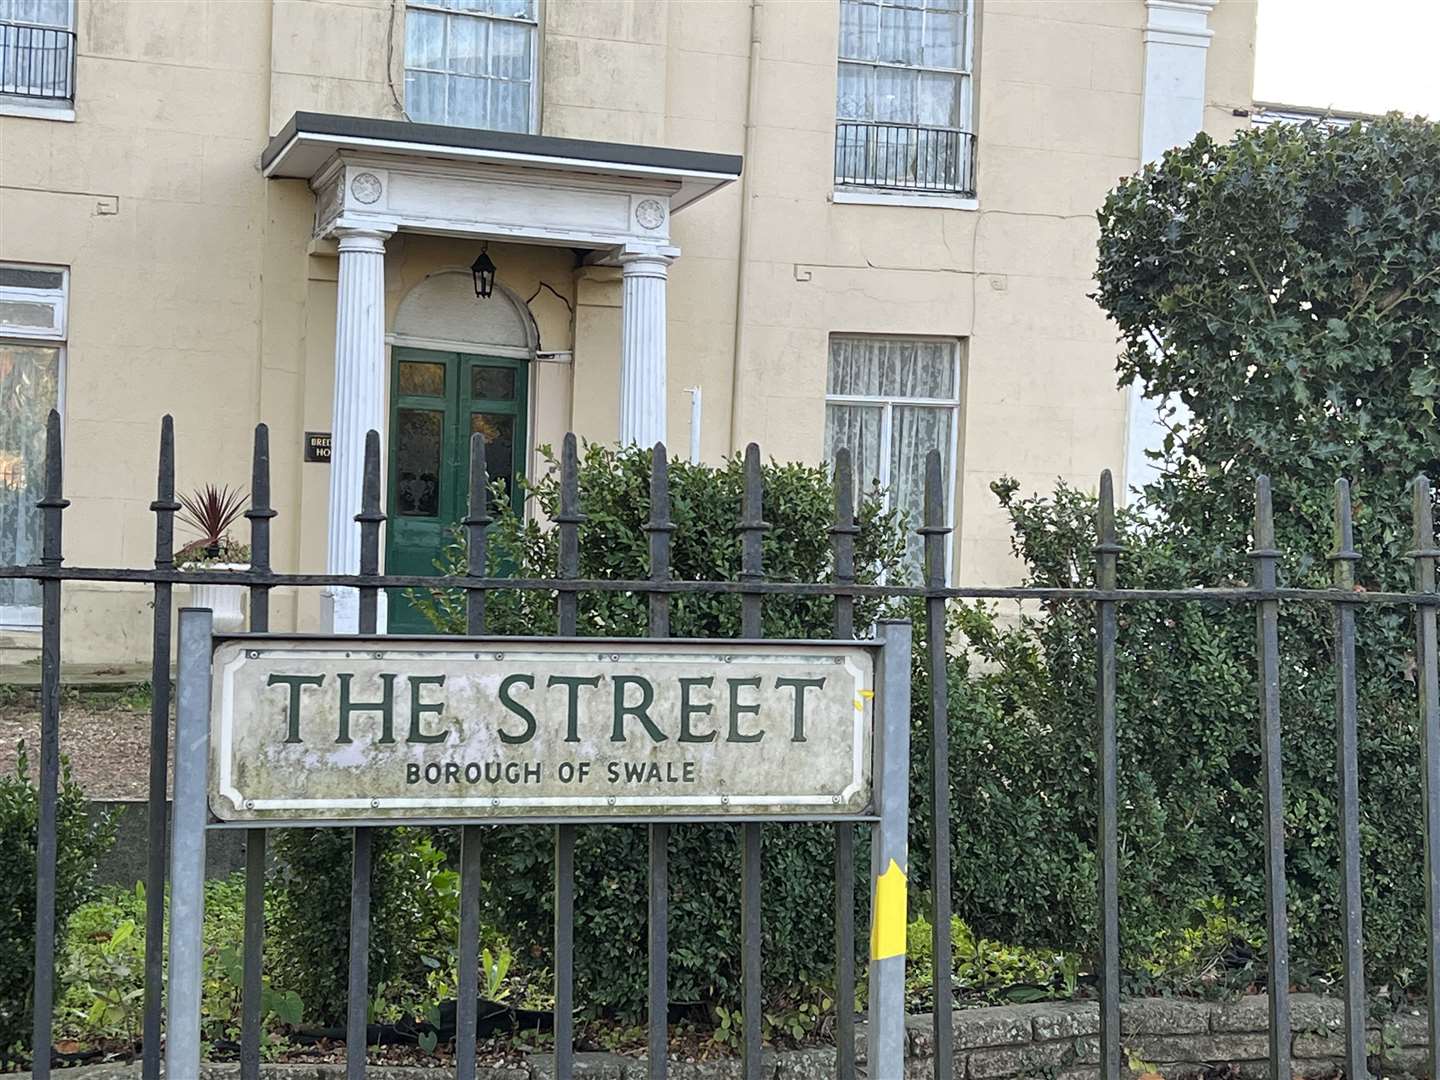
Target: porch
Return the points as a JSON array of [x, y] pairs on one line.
[[373, 179]]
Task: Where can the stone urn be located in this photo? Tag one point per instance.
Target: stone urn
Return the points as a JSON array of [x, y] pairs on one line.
[[223, 600]]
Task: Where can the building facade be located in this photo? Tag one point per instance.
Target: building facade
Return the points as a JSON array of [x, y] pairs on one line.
[[807, 223]]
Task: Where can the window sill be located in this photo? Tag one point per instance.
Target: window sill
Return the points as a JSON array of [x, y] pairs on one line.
[[899, 198], [62, 111]]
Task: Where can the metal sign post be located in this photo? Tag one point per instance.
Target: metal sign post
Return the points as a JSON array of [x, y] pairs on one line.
[[288, 729], [889, 854], [187, 843]]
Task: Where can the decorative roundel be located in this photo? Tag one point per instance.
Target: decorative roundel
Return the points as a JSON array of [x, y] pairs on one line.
[[650, 213], [365, 187]]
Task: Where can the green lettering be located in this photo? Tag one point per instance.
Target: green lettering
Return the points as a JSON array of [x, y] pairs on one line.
[[800, 685], [689, 709], [640, 710], [295, 682], [528, 681], [419, 708], [385, 707], [572, 683], [738, 710]]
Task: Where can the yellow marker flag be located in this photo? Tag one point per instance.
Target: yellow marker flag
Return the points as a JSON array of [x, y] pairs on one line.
[[887, 927]]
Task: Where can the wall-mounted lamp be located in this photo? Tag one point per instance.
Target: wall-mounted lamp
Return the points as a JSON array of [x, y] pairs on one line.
[[483, 271]]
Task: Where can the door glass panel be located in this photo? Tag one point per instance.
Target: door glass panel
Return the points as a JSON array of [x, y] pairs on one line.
[[29, 389], [498, 431], [426, 380], [419, 433], [492, 383]]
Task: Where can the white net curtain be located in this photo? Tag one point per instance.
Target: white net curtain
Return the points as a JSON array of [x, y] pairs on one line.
[[891, 401], [470, 63], [36, 48], [902, 95]]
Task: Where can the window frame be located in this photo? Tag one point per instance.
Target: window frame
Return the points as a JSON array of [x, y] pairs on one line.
[[958, 346], [965, 106], [43, 108], [23, 617], [437, 7]]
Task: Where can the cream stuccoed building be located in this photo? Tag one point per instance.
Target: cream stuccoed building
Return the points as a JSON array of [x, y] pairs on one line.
[[806, 223]]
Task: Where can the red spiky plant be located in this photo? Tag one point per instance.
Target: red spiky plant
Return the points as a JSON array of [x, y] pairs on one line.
[[210, 511]]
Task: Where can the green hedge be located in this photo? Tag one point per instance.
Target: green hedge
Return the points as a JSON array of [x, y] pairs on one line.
[[414, 920], [1022, 767], [83, 839], [610, 860], [1024, 778]]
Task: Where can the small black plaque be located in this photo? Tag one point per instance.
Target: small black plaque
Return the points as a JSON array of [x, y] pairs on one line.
[[317, 446]]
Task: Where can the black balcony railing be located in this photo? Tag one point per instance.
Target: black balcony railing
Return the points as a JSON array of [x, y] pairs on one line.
[[904, 157], [37, 62]]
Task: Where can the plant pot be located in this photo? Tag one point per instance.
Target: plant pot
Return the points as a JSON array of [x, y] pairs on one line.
[[223, 600]]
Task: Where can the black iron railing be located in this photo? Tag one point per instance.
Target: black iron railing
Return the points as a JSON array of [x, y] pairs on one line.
[[1264, 596], [904, 157], [37, 62]]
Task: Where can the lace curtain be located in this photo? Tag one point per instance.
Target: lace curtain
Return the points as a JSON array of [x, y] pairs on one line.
[[34, 55], [472, 65], [912, 392]]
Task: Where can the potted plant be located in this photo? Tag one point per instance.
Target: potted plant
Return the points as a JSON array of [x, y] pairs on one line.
[[210, 511]]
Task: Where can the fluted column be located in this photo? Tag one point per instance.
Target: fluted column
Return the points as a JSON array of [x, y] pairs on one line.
[[642, 347], [359, 405]]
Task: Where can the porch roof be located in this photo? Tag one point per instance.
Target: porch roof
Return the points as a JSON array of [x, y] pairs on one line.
[[304, 145]]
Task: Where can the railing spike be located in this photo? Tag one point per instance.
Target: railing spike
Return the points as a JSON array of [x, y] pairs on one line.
[[477, 523], [1342, 561], [1427, 679], [46, 834], [1107, 550], [157, 815], [935, 537], [1267, 650]]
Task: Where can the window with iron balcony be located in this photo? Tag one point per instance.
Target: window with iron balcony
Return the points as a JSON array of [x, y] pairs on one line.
[[471, 63], [37, 57], [903, 102]]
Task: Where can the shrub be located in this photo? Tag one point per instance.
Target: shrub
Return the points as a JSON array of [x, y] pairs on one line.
[[611, 861], [1190, 826], [413, 920], [1285, 289], [83, 839], [103, 969]]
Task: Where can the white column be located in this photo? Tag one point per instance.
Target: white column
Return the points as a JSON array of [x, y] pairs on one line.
[[359, 406], [1172, 112], [642, 346]]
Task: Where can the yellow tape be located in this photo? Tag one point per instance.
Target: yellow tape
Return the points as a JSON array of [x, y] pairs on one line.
[[887, 926]]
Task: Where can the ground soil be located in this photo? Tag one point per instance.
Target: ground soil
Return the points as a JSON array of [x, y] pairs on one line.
[[105, 737]]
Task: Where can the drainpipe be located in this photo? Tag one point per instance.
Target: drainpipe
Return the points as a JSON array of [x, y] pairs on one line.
[[752, 93]]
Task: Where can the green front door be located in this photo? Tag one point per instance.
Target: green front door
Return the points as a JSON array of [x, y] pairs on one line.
[[437, 400]]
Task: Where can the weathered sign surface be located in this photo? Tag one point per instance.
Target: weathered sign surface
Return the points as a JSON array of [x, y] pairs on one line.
[[324, 730]]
